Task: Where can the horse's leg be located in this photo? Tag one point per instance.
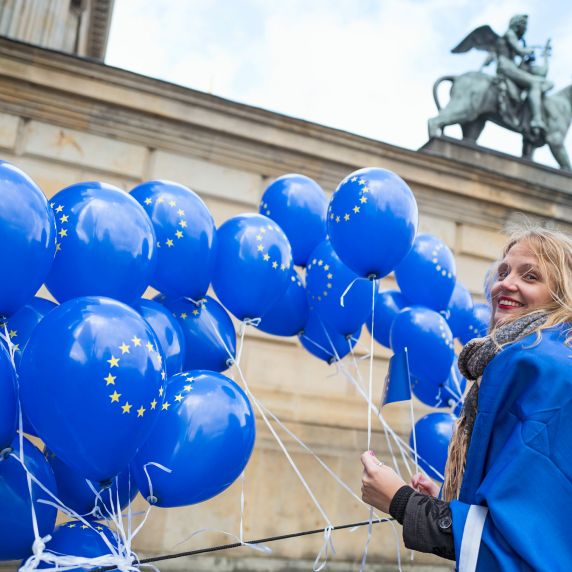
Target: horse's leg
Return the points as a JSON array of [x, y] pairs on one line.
[[527, 149], [449, 116], [472, 129], [561, 155]]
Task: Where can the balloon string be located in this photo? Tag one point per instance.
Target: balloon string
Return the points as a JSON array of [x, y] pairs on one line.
[[274, 434], [403, 446], [369, 401], [348, 288], [385, 432]]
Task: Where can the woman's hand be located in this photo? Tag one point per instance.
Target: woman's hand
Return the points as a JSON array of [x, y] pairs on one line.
[[424, 485], [379, 483]]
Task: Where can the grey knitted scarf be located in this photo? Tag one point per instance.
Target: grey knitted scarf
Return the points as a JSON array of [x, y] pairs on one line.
[[477, 354]]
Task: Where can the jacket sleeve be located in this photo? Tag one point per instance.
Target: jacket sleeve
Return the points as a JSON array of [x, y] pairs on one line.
[[427, 522]]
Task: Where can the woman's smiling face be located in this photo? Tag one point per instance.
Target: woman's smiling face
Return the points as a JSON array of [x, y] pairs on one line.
[[520, 287]]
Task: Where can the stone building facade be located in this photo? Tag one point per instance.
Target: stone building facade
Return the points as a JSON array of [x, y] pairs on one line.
[[64, 119]]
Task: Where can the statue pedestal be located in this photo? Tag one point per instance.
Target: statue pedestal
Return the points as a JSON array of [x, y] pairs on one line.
[[499, 163]]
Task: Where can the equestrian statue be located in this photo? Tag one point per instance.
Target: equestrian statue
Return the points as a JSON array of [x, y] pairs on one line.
[[515, 98]]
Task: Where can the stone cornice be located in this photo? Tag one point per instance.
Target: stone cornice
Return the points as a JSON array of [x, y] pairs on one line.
[[77, 93]]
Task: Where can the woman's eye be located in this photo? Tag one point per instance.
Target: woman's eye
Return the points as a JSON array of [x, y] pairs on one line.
[[529, 276]]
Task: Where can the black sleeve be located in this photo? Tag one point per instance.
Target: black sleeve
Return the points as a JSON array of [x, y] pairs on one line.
[[427, 522]]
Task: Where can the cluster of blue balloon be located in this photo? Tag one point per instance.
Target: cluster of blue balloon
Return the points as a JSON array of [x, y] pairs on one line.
[[113, 384], [119, 387], [367, 231]]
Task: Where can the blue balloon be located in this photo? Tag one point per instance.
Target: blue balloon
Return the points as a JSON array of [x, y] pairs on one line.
[[325, 343], [479, 323], [288, 315], [21, 324], [8, 400], [106, 244], [433, 433], [460, 310], [327, 278], [298, 204], [388, 303], [454, 388], [185, 232], [16, 530], [205, 438], [208, 331], [95, 365], [372, 221], [426, 276], [27, 236], [76, 494], [252, 265], [77, 539], [446, 394], [428, 340], [168, 331]]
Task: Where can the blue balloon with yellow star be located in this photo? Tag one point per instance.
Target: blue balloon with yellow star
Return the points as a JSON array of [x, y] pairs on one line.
[[289, 314], [91, 383], [210, 339], [8, 400], [16, 529], [298, 204], [460, 310], [477, 324], [186, 238], [76, 538], [429, 342], [324, 342], [21, 324], [205, 437], [253, 262], [327, 280], [168, 331], [427, 275], [105, 244], [372, 221], [27, 236]]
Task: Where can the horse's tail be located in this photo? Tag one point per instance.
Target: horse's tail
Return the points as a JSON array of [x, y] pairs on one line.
[[450, 78]]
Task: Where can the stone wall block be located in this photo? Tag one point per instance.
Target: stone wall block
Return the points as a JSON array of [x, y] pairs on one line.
[[8, 130], [206, 178], [85, 149]]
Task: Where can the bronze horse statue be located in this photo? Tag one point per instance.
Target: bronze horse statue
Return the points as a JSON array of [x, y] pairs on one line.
[[477, 97]]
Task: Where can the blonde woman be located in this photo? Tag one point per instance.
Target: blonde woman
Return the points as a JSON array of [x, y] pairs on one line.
[[507, 497]]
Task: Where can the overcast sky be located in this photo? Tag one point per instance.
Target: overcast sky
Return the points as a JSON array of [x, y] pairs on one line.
[[364, 66]]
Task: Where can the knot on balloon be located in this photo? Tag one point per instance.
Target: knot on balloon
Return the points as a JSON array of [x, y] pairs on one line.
[[230, 362], [106, 484], [5, 453], [39, 545], [251, 321], [152, 499]]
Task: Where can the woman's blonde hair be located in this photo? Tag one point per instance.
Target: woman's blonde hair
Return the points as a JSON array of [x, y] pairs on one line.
[[553, 250]]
